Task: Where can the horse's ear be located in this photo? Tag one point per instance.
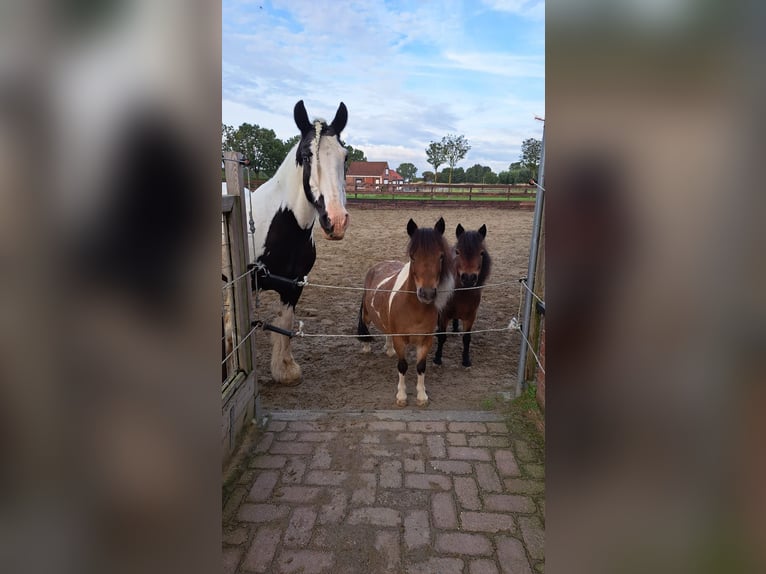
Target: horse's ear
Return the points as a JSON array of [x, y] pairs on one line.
[[340, 119], [483, 231], [301, 118], [440, 226], [459, 231], [412, 227]]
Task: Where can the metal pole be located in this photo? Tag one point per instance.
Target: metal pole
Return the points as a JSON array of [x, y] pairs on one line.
[[525, 319]]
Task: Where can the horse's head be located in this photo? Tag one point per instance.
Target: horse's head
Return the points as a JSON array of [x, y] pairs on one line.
[[472, 262], [430, 259], [323, 158]]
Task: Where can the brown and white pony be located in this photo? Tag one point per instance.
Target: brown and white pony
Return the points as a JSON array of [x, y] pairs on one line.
[[472, 268], [404, 300]]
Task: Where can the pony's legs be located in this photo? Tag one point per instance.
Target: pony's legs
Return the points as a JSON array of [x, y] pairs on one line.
[[423, 349], [467, 325], [284, 369], [389, 347], [441, 327], [363, 333], [456, 326], [401, 389]]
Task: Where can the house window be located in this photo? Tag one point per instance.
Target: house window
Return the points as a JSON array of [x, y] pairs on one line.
[[377, 180], [385, 181], [386, 172]]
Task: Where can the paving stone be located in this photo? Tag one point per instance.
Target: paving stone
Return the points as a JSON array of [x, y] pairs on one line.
[[298, 531], [452, 466], [403, 498], [427, 481], [468, 427], [235, 536], [268, 461], [294, 470], [414, 465], [437, 566], [482, 566], [291, 448], [387, 426], [371, 438], [305, 562], [322, 458], [364, 494], [317, 436], [443, 510], [379, 451], [416, 530], [231, 557], [487, 478], [265, 442], [486, 521], [491, 441], [299, 494], [276, 426], [534, 470], [370, 464], [391, 474], [262, 549], [462, 543], [287, 436], [334, 511], [303, 426], [326, 477], [250, 512], [509, 503], [506, 463], [427, 426], [468, 453], [523, 452], [263, 486], [467, 493], [511, 556], [246, 477], [534, 537], [375, 516], [232, 503], [497, 428], [387, 544], [436, 448], [523, 486], [410, 438], [456, 439]]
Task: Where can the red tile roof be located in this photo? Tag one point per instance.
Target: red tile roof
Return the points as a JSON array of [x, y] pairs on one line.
[[367, 168], [392, 175]]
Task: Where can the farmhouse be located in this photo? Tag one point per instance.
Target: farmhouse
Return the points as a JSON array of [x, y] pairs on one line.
[[369, 174]]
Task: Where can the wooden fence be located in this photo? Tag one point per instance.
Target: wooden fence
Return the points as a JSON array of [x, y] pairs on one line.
[[239, 390]]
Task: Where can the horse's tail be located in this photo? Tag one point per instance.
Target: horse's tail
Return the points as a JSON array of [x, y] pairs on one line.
[[361, 329]]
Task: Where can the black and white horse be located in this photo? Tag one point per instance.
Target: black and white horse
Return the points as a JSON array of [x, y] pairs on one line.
[[309, 186]]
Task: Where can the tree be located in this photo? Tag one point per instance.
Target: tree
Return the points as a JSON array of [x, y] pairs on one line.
[[288, 144], [478, 173], [428, 176], [490, 177], [436, 155], [455, 148], [260, 146], [407, 171], [504, 177], [355, 154], [530, 155]]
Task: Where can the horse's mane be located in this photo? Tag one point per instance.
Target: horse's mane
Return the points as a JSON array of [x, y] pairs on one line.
[[428, 239], [471, 244], [306, 143]]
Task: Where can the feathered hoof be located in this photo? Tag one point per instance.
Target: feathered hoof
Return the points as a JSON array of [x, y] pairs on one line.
[[401, 402], [391, 352], [366, 348], [287, 374], [422, 403]]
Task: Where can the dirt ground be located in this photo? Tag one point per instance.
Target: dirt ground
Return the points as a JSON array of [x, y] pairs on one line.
[[337, 375]]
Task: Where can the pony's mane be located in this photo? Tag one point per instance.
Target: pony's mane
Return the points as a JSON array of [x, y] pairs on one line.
[[471, 244], [428, 239]]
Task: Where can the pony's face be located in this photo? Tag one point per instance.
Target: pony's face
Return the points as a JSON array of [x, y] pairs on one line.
[[470, 255], [429, 259], [323, 158]]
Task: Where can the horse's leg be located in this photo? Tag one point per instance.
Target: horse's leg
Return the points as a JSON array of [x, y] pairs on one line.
[[456, 325], [423, 349], [362, 331], [389, 347], [441, 327], [401, 389], [468, 326], [284, 369]]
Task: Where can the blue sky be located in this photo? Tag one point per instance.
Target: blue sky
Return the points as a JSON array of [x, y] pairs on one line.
[[409, 72]]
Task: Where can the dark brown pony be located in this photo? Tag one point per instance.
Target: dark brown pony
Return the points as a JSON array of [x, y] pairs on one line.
[[404, 300], [472, 268]]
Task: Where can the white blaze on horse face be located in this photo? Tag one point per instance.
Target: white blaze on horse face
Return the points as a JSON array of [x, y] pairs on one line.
[[328, 179]]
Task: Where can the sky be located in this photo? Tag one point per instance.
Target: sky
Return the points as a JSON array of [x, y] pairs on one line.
[[409, 72]]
